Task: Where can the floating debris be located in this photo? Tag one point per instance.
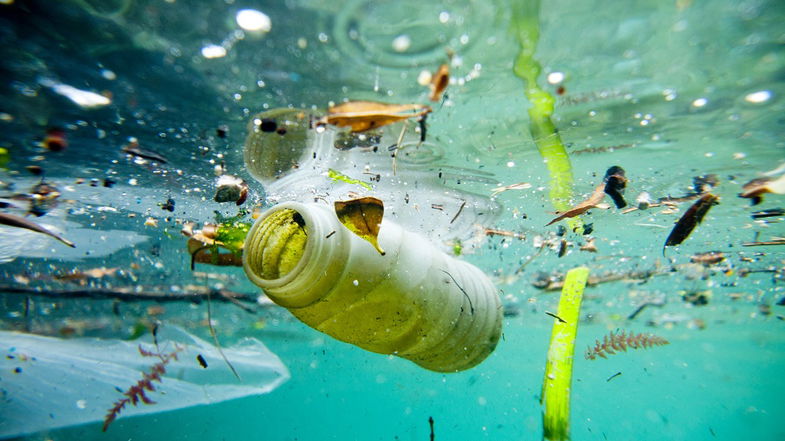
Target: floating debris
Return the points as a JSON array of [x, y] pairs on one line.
[[20, 222], [43, 198], [592, 202], [615, 182], [773, 241], [360, 116], [696, 298], [620, 341], [691, 218], [168, 205], [55, 139], [231, 189], [756, 188], [439, 82], [362, 217], [335, 175], [589, 246], [518, 186], [495, 232], [643, 201], [136, 393], [772, 212], [708, 258], [221, 131], [132, 148]]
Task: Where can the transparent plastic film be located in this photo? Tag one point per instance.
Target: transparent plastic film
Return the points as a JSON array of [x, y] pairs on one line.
[[294, 159], [414, 302]]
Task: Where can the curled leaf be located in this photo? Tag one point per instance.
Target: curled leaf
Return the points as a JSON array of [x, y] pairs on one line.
[[691, 218], [360, 116], [362, 217], [615, 182], [439, 82], [756, 188], [593, 201]]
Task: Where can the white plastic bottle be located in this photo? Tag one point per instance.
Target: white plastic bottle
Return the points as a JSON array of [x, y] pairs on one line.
[[415, 301]]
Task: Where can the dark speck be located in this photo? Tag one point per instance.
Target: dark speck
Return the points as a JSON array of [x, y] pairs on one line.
[[168, 206], [109, 182], [18, 370], [281, 131], [268, 125], [221, 131]]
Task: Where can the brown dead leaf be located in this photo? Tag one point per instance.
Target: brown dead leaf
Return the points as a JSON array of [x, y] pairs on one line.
[[360, 116], [756, 188], [592, 202], [362, 217], [439, 82]]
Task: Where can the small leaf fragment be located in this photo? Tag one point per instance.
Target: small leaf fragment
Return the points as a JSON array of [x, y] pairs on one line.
[[592, 202], [335, 175], [439, 82], [362, 217], [360, 116]]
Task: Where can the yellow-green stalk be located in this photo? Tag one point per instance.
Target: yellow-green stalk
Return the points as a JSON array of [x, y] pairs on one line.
[[558, 367], [525, 26]]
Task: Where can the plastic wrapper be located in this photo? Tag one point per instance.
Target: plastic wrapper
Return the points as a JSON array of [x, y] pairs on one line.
[[48, 383]]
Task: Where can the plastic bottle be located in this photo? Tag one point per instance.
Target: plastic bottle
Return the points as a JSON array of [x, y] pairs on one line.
[[415, 301]]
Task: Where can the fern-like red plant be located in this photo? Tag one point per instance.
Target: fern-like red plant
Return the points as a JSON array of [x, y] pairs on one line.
[[136, 393], [620, 341]]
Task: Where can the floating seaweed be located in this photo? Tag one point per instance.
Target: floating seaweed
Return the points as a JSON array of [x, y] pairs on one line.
[[691, 218], [620, 341], [136, 393]]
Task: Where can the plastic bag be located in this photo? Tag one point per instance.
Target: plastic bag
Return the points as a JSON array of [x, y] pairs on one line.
[[47, 383]]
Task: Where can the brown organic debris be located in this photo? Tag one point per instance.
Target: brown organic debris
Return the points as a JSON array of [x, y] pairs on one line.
[[439, 82], [360, 116], [592, 202], [620, 341], [756, 188], [708, 258], [518, 186], [691, 218], [12, 220]]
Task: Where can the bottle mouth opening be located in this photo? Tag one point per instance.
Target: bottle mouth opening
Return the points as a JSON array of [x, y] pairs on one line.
[[276, 245]]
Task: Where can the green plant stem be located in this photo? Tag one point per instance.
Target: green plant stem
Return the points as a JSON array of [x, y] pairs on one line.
[[561, 353], [525, 26]]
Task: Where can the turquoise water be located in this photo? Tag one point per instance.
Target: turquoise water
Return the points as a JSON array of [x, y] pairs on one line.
[[667, 90]]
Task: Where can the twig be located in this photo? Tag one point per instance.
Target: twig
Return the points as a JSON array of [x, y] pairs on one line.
[[215, 338], [459, 212], [158, 294], [758, 244]]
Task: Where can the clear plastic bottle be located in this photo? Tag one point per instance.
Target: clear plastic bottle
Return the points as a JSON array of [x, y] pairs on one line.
[[415, 301]]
